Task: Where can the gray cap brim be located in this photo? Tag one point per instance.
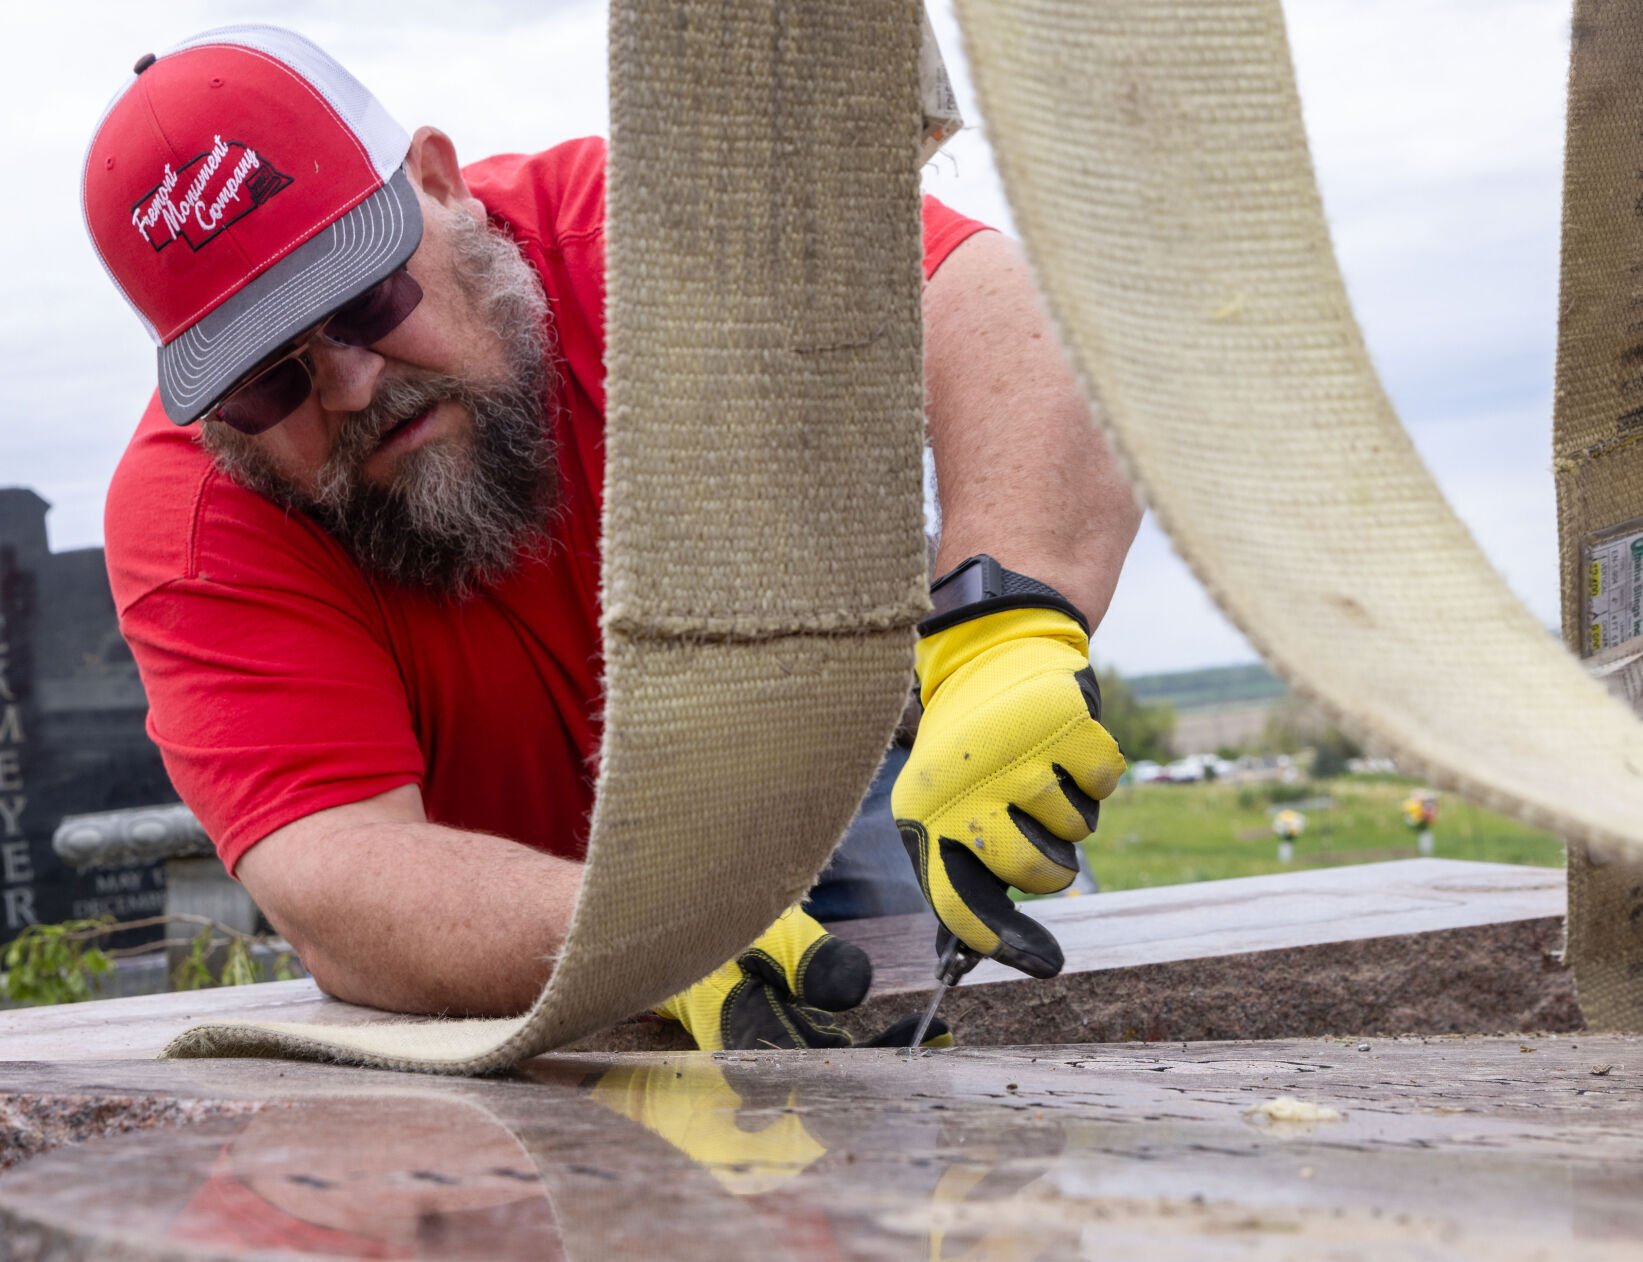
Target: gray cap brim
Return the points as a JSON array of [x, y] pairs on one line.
[[339, 263]]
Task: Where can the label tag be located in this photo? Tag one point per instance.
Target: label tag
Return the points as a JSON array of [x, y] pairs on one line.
[[1612, 587], [941, 116]]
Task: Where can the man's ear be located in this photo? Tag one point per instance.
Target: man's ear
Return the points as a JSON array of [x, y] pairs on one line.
[[433, 167]]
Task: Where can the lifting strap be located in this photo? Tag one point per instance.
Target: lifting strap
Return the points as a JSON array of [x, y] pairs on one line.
[[763, 536], [1155, 160], [763, 563]]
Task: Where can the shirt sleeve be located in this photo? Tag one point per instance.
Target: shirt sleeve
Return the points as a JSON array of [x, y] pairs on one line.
[[944, 231], [272, 689]]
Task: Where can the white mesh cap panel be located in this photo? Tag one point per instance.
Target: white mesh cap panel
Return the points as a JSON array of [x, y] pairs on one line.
[[384, 139]]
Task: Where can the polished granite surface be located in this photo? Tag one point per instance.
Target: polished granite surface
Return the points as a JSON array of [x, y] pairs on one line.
[[1421, 946], [1500, 1148]]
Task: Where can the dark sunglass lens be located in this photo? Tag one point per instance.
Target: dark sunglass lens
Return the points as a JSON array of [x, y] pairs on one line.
[[375, 313], [265, 401]]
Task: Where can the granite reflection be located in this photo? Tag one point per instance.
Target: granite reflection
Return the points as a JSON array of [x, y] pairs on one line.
[[1504, 1148], [680, 1158]]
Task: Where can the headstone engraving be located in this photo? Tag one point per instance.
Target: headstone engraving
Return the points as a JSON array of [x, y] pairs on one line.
[[17, 869]]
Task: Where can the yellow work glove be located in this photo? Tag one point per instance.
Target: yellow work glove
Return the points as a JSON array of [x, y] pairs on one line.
[[1011, 759], [781, 992]]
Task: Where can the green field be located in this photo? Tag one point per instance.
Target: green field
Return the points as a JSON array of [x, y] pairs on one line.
[[1169, 834]]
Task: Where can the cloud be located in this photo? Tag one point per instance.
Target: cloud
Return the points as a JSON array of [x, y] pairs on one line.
[[1161, 619], [1436, 128]]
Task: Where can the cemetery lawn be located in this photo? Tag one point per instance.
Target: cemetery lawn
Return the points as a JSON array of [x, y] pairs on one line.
[[1170, 834]]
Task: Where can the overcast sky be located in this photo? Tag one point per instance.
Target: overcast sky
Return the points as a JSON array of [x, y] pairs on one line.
[[1436, 126]]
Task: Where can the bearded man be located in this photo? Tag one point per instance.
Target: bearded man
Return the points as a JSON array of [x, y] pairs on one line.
[[354, 543]]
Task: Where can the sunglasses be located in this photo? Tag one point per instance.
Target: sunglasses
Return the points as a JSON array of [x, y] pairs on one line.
[[279, 385]]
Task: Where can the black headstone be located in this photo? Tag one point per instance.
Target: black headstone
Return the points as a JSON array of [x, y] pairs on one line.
[[72, 736]]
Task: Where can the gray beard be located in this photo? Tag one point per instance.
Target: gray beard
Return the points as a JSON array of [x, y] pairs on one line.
[[458, 514]]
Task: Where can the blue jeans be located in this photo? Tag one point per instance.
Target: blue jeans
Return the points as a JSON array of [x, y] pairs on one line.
[[870, 873]]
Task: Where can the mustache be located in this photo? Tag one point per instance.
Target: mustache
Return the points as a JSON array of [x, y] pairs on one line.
[[398, 399]]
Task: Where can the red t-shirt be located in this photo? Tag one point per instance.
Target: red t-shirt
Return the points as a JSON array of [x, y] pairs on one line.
[[282, 681]]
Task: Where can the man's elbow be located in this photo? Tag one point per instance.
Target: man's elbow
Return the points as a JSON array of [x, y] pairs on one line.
[[343, 980], [329, 968], [321, 967]]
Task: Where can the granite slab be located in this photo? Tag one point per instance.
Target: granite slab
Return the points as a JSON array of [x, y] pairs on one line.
[[1420, 946], [1413, 1148]]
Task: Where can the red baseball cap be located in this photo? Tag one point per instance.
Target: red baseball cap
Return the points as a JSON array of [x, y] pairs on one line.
[[240, 188]]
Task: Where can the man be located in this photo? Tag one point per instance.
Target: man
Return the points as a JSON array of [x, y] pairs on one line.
[[354, 543]]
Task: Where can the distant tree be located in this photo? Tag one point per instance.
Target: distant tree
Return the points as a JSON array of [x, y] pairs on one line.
[[1331, 751], [1293, 726], [1142, 731], [1289, 728]]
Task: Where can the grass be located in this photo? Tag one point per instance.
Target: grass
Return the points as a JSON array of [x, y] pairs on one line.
[[1170, 834]]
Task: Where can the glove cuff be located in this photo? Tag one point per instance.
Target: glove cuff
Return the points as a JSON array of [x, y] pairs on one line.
[[979, 586]]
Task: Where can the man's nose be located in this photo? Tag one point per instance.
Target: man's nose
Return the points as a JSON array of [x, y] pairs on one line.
[[345, 377]]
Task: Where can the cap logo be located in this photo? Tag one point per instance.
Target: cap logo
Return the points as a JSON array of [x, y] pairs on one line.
[[225, 183]]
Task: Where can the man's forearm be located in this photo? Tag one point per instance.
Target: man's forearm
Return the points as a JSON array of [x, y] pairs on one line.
[[388, 910], [1021, 471]]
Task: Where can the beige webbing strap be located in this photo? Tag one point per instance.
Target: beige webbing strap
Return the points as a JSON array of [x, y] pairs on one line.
[[1598, 453], [1156, 163], [764, 550]]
